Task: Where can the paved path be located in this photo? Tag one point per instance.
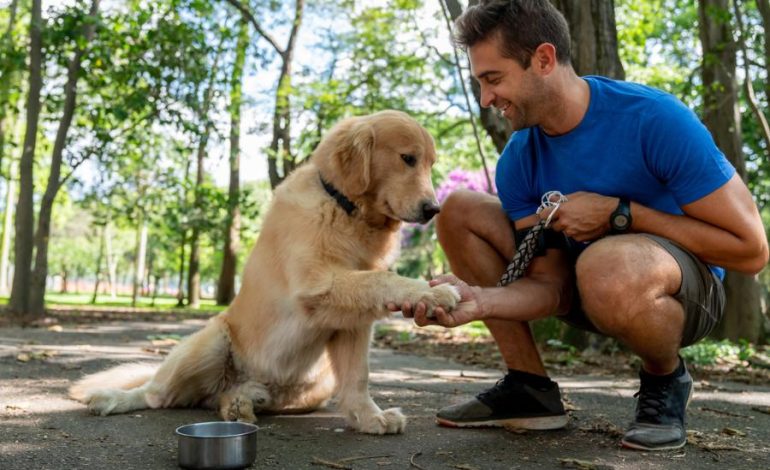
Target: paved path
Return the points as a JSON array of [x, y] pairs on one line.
[[41, 429]]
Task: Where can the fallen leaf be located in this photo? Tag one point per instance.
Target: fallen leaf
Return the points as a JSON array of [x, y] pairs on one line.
[[23, 357], [733, 432]]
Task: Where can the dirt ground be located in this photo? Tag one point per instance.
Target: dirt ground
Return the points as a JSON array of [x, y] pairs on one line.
[[40, 428]]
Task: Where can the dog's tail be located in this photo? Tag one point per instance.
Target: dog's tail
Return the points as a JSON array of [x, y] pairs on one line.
[[123, 377]]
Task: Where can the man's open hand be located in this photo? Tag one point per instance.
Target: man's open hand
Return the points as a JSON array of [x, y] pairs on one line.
[[466, 311]]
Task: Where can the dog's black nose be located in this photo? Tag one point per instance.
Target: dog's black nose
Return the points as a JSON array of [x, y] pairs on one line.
[[429, 209]]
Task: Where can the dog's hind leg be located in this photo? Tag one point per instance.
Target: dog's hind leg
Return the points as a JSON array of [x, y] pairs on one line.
[[196, 369], [349, 354]]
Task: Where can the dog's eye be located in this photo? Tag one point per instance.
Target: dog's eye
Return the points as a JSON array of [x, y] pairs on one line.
[[410, 160]]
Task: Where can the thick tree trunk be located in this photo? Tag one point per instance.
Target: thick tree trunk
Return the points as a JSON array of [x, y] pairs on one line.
[[19, 301], [5, 250], [594, 36], [40, 273], [226, 285], [721, 114]]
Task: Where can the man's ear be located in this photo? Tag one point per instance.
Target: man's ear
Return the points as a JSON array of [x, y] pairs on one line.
[[544, 58], [354, 157]]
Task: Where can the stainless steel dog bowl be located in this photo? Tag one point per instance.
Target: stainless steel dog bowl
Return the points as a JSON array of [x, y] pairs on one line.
[[218, 444]]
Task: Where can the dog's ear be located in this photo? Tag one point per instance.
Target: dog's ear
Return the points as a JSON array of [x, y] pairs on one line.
[[354, 157]]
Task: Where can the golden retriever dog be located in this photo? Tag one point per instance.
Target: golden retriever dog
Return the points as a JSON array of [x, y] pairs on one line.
[[299, 329]]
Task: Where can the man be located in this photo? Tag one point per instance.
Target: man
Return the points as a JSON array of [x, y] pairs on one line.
[[654, 213]]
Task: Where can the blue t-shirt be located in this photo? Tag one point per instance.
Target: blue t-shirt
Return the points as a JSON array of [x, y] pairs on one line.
[[634, 141]]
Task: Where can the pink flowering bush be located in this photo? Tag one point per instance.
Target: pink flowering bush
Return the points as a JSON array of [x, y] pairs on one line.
[[464, 179], [421, 254]]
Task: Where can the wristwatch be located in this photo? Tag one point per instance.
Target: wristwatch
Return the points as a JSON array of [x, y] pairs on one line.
[[620, 219]]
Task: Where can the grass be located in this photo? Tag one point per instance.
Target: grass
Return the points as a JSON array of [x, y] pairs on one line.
[[122, 301]]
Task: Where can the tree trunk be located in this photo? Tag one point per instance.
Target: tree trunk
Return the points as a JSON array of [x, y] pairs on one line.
[[40, 273], [721, 114], [226, 285], [498, 128], [5, 251], [180, 295], [147, 281], [5, 83], [99, 260], [280, 146], [141, 253], [25, 219], [193, 275], [594, 36], [65, 274], [112, 261]]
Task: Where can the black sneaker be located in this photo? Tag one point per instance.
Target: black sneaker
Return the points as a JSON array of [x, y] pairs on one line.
[[660, 411], [510, 403]]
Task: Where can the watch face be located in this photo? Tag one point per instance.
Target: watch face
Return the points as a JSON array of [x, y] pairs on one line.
[[620, 222]]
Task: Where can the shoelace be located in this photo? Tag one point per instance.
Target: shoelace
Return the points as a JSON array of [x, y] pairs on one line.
[[499, 389], [652, 400]]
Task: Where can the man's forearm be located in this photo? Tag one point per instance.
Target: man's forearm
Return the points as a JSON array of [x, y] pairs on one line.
[[711, 244], [524, 300]]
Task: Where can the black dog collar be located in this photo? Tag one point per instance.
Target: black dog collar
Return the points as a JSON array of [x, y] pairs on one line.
[[343, 201]]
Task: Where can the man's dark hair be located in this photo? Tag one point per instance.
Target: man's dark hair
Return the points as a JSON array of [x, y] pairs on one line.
[[522, 26]]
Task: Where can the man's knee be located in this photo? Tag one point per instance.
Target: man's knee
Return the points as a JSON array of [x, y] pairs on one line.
[[616, 277], [452, 210]]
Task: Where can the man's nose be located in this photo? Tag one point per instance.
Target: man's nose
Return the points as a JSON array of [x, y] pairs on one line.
[[487, 98]]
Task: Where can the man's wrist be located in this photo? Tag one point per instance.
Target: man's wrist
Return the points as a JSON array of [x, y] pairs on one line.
[[482, 306]]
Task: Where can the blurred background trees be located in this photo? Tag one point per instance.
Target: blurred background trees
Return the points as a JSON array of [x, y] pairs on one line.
[[140, 140]]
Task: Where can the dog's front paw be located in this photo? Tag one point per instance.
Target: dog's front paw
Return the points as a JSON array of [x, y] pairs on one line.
[[447, 296], [390, 421]]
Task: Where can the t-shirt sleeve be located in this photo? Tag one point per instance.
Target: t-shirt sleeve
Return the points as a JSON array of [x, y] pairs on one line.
[[681, 153], [513, 178]]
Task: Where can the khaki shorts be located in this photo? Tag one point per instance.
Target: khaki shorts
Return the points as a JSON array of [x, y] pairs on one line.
[[701, 294]]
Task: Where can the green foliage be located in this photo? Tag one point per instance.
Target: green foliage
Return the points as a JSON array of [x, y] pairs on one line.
[[709, 352]]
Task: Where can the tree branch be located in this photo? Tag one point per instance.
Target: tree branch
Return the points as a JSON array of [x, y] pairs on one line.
[[257, 27], [750, 96], [468, 101]]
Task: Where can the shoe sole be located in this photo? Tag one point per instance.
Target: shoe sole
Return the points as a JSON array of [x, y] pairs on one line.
[[541, 423], [635, 446]]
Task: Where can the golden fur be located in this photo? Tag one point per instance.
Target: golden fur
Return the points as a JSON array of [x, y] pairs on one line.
[[299, 329]]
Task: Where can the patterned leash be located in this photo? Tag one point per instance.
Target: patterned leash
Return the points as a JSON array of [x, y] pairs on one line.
[[528, 246]]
